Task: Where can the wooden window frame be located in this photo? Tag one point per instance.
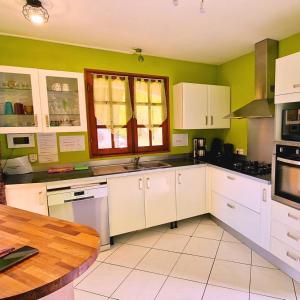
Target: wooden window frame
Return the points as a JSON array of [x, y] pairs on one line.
[[132, 137]]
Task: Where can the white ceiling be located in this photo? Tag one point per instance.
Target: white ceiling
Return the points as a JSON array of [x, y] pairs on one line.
[[227, 29]]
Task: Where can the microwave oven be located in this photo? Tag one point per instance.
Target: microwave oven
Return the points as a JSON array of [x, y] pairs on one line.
[[290, 130]]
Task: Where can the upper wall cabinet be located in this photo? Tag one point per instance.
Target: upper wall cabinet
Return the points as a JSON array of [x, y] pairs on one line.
[[287, 82], [200, 106], [33, 100]]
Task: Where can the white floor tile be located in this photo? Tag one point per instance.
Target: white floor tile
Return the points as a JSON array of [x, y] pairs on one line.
[[140, 285], [209, 231], [82, 295], [297, 287], [207, 220], [270, 282], [202, 247], [158, 261], [234, 252], [230, 275], [185, 227], [127, 256], [179, 289], [123, 238], [86, 273], [145, 238], [192, 267], [172, 242], [259, 261], [104, 280], [260, 297], [104, 254], [216, 293], [227, 237]]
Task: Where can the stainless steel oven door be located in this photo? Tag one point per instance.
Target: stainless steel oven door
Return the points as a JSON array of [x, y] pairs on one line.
[[286, 181]]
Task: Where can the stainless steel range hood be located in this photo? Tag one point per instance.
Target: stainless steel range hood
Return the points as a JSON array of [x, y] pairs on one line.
[[266, 53]]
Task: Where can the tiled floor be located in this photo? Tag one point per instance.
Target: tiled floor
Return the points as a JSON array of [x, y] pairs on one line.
[[197, 260]]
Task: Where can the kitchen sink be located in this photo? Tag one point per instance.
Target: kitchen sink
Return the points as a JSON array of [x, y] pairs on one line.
[[146, 165]]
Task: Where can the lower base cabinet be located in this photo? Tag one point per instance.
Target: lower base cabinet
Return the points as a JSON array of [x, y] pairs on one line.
[[126, 204], [160, 201], [31, 197]]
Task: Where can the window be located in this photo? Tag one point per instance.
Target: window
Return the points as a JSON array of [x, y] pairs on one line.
[[127, 113]]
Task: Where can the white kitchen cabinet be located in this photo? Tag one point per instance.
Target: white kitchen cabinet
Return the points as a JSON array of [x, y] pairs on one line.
[[160, 201], [20, 110], [190, 192], [31, 197], [62, 101], [126, 204], [200, 106], [287, 81], [35, 100]]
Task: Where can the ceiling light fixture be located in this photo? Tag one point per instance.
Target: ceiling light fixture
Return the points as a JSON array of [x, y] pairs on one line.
[[139, 51], [34, 12]]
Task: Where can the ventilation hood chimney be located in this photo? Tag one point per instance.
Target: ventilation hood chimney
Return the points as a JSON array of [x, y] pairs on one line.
[[266, 53]]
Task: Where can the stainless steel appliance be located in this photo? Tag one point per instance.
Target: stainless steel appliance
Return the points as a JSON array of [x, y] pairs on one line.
[[84, 204], [286, 175], [199, 147], [291, 124]]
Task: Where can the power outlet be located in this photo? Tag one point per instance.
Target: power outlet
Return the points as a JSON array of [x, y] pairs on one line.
[[33, 157]]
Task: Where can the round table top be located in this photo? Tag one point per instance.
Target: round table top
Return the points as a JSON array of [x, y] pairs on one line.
[[66, 250]]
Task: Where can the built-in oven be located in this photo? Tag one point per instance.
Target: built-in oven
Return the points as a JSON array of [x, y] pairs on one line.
[[290, 124], [286, 175]]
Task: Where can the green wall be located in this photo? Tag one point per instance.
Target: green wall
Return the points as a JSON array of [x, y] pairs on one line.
[[45, 55], [239, 73]]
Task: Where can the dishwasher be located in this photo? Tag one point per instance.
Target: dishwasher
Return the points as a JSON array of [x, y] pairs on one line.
[[85, 204]]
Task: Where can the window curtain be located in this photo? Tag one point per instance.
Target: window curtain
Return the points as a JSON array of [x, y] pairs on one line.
[[112, 103]]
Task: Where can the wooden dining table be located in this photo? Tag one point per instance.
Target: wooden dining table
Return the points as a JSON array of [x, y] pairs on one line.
[[66, 250]]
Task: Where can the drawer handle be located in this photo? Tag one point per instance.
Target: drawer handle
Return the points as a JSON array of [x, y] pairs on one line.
[[148, 183], [179, 178], [291, 236], [230, 178], [230, 205], [264, 195], [292, 256], [296, 85], [293, 217]]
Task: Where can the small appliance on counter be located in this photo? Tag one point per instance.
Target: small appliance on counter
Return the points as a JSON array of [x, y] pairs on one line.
[[199, 149], [18, 165], [290, 125], [216, 150]]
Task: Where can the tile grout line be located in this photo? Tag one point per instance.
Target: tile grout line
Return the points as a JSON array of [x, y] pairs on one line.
[[250, 275], [212, 266], [294, 289]]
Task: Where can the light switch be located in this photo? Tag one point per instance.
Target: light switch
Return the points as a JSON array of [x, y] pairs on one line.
[[180, 140]]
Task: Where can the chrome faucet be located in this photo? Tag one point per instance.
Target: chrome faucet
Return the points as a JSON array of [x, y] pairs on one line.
[[136, 161]]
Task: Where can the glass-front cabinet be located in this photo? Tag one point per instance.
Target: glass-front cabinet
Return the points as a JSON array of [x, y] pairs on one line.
[[20, 109], [62, 101], [34, 100]]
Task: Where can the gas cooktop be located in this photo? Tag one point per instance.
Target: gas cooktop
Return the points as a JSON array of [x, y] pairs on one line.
[[252, 167]]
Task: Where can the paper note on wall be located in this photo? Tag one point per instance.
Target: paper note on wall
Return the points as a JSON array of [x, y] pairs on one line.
[[71, 143], [47, 147]]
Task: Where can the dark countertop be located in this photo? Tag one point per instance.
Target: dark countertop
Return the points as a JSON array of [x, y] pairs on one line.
[[39, 177]]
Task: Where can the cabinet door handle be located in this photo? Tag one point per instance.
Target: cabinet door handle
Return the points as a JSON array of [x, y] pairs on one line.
[[47, 120], [264, 195], [293, 217], [148, 183], [230, 178], [292, 256], [41, 198], [179, 178], [297, 85], [230, 206], [206, 120], [291, 236], [140, 183], [212, 120]]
